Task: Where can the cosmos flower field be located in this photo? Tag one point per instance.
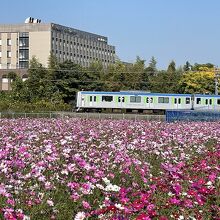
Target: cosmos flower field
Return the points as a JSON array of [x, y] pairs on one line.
[[109, 169]]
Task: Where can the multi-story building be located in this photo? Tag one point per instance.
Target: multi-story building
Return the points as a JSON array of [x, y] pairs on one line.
[[20, 42]]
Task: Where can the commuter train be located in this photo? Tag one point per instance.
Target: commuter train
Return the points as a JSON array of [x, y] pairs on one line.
[[144, 102]]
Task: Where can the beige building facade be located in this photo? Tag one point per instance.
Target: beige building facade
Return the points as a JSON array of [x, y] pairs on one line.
[[20, 42]]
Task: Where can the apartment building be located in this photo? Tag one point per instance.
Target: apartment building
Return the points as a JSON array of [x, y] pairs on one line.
[[20, 42]]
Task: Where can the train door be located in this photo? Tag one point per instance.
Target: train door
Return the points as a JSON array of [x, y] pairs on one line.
[[92, 100], [149, 102], [177, 102], [121, 101], [209, 103]]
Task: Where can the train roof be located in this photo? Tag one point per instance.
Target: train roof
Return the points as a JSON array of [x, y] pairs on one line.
[[145, 93]]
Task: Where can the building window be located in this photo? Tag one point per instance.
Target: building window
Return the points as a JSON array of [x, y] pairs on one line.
[[24, 42], [9, 42], [163, 99], [23, 64], [0, 42], [136, 99], [9, 54], [24, 55], [8, 65]]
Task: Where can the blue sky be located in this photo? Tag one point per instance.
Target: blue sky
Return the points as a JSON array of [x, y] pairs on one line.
[[178, 30]]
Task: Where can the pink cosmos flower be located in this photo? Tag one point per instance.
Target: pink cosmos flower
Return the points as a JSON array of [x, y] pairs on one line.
[[188, 203], [86, 205], [174, 201], [50, 202], [177, 188], [143, 216]]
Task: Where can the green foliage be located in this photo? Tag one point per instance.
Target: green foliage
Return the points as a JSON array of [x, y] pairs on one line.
[[187, 67], [165, 82], [133, 77], [197, 66], [172, 67]]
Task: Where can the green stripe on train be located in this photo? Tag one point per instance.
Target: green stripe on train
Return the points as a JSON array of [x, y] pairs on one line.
[[88, 98], [116, 99], [97, 98], [126, 99]]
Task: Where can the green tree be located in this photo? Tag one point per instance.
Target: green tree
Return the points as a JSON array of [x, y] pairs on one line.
[[116, 75], [152, 68], [198, 66], [166, 81], [96, 77], [172, 67], [37, 82], [134, 74], [187, 67]]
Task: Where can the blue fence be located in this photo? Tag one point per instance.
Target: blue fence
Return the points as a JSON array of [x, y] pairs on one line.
[[192, 115]]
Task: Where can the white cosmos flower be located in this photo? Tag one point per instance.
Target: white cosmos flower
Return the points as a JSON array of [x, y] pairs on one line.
[[119, 206], [80, 216], [107, 182], [100, 186], [209, 183], [26, 217], [111, 187]]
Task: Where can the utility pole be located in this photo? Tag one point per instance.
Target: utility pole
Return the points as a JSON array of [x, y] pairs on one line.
[[217, 75]]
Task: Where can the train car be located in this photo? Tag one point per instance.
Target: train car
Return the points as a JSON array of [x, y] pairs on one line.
[[129, 101]]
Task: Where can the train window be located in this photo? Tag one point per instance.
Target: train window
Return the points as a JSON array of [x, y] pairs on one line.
[[107, 98], [187, 100], [149, 100], [175, 101], [218, 101], [121, 99], [206, 101], [90, 98], [179, 100], [163, 100], [136, 99], [198, 101], [210, 101]]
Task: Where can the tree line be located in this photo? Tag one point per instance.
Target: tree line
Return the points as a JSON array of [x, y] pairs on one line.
[[55, 87]]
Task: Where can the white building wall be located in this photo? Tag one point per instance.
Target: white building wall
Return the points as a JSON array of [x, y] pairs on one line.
[[40, 46]]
